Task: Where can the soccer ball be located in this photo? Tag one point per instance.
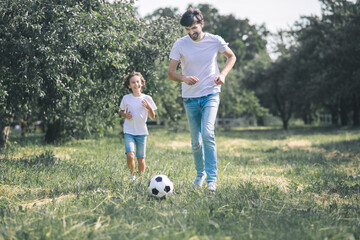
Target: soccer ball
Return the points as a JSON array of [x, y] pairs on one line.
[[160, 186]]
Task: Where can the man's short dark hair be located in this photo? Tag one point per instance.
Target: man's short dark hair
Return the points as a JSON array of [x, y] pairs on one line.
[[191, 17]]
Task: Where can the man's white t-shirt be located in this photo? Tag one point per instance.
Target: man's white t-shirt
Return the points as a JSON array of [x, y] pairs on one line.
[[132, 104], [199, 59]]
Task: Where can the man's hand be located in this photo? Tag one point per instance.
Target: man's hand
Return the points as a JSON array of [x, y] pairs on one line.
[[220, 80], [190, 80]]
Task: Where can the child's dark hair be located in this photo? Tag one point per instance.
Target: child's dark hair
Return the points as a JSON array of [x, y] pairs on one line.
[[191, 17], [126, 81]]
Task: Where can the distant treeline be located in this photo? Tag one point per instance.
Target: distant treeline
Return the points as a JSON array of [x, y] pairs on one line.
[[63, 61]]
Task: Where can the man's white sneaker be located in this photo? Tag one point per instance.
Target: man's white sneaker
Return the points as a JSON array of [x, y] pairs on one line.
[[199, 181], [212, 186]]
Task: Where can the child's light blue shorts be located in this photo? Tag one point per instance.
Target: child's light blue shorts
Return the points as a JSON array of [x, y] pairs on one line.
[[135, 140]]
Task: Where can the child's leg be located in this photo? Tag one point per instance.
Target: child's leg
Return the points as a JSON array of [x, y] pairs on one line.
[[141, 152], [141, 165], [130, 162], [129, 150]]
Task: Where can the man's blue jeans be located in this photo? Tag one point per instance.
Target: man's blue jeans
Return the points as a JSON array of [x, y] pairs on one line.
[[201, 113]]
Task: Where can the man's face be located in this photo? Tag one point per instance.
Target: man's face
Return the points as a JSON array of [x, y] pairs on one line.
[[194, 31]]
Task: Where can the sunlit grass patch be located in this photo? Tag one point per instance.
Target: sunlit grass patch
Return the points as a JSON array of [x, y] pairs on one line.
[[279, 182], [22, 152], [41, 202], [64, 152], [298, 143], [272, 184], [327, 198], [173, 144]]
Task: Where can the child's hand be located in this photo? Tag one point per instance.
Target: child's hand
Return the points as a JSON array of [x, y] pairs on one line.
[[128, 116], [146, 104]]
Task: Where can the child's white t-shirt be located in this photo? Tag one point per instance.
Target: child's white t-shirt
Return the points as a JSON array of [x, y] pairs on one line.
[[132, 104], [199, 59]]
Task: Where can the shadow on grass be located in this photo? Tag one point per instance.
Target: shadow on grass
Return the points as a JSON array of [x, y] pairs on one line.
[[30, 139], [44, 170], [332, 154], [280, 134], [348, 147], [292, 157]]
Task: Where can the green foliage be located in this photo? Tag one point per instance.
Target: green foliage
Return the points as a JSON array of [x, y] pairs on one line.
[[237, 100], [164, 13], [167, 95], [64, 61], [303, 183], [318, 72]]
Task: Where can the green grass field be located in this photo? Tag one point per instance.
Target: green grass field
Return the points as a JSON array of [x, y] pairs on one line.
[[272, 184]]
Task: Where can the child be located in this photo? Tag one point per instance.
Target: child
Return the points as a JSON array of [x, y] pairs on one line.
[[135, 108]]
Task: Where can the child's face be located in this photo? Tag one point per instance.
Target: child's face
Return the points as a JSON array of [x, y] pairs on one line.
[[135, 84]]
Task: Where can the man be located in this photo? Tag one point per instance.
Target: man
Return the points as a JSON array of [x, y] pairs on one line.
[[201, 81]]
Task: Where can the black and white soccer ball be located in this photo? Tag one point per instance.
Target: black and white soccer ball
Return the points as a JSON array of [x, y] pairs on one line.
[[160, 186]]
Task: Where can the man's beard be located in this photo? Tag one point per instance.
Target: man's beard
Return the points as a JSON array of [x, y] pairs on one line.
[[194, 36]]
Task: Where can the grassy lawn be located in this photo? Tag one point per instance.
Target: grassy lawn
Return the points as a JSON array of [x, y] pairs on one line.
[[272, 184]]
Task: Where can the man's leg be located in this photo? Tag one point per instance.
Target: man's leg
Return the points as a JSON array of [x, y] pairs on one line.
[[209, 107], [194, 119]]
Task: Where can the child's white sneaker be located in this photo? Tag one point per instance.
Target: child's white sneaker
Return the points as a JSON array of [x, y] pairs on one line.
[[132, 177]]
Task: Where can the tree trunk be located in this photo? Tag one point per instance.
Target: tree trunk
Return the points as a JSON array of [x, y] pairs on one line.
[[305, 119], [54, 131], [308, 115], [24, 127], [334, 117], [168, 112], [5, 121], [5, 131], [285, 124], [260, 121], [343, 112], [356, 110], [285, 110]]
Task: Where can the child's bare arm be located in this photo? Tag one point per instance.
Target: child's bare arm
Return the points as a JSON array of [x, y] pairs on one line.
[[148, 107]]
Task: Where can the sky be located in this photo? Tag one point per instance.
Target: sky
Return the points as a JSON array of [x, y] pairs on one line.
[[276, 14]]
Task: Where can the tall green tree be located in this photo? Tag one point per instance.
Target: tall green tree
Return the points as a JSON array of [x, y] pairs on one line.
[[319, 71], [237, 99], [68, 58], [328, 47]]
